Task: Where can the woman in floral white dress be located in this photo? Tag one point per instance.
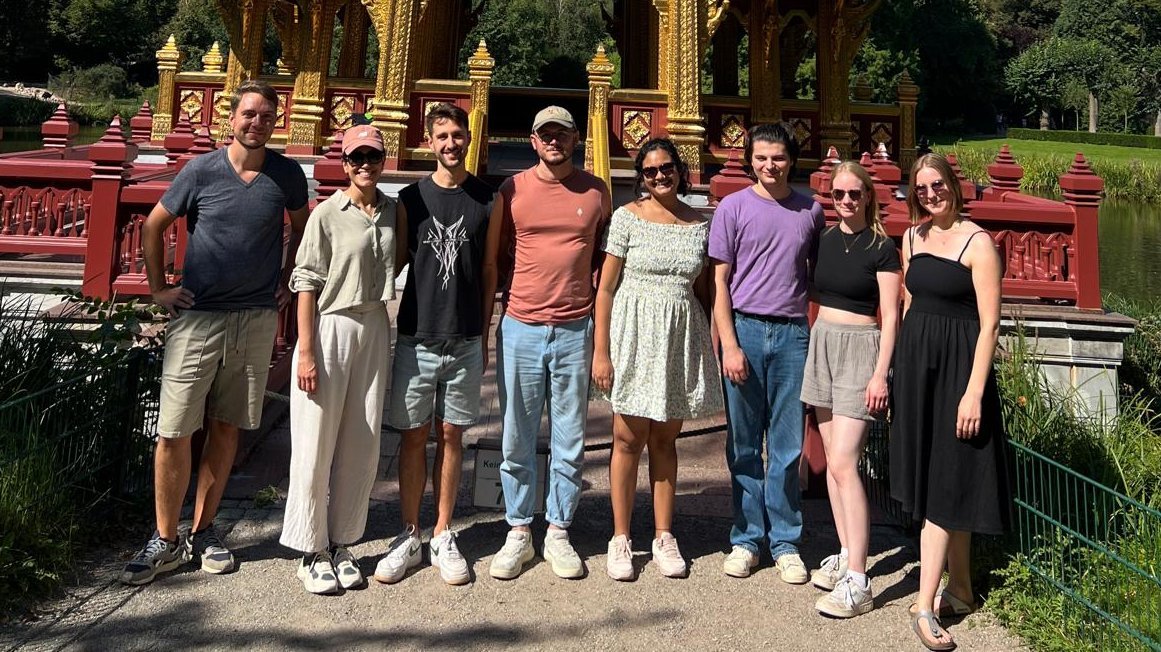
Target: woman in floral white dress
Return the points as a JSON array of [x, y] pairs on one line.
[[653, 357]]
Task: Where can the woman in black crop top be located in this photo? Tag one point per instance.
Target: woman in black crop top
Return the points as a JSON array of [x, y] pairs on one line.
[[846, 372], [947, 446]]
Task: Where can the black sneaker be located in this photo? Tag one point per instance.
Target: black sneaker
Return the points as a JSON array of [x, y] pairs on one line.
[[216, 557], [158, 556]]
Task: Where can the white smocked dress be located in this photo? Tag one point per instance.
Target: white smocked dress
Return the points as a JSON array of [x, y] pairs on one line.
[[659, 337]]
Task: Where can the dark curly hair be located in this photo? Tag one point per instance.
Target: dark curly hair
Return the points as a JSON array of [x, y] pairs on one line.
[[667, 146], [777, 132]]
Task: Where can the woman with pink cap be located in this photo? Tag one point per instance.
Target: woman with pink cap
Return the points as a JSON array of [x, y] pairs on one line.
[[344, 275]]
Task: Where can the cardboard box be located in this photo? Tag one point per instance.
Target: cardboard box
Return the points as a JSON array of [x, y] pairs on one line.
[[487, 491]]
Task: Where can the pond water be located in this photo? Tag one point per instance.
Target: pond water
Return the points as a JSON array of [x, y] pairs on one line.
[[19, 139], [1131, 249]]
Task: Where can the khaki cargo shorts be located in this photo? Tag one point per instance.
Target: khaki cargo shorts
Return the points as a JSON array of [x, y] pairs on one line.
[[215, 365]]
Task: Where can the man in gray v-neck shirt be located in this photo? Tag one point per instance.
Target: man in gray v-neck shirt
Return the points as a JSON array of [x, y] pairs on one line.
[[218, 344]]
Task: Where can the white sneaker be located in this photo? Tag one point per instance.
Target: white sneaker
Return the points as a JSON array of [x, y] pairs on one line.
[[668, 556], [829, 572], [346, 568], [445, 555], [847, 600], [740, 562], [792, 569], [619, 564], [509, 561], [559, 553], [404, 552], [318, 574]]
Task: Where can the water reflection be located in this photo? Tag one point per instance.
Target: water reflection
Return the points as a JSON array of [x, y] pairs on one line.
[[19, 139], [1130, 249]]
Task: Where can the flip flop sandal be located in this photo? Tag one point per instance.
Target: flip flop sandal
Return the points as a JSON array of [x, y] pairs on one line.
[[934, 627], [949, 605]]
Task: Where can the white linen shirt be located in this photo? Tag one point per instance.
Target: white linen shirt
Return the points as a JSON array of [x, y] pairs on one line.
[[346, 257]]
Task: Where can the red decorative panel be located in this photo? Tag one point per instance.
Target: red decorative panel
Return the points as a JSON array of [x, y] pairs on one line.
[[43, 220]]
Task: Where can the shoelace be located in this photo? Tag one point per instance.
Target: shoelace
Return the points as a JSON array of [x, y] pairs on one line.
[[832, 562], [668, 548], [341, 555], [156, 546], [449, 550], [621, 546], [845, 588], [319, 558], [208, 539], [562, 548], [511, 547]]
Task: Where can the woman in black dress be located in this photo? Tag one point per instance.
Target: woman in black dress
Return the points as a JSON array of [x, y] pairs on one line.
[[947, 439]]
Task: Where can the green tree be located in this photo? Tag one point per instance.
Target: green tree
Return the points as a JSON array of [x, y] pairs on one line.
[[883, 68], [87, 33], [25, 42]]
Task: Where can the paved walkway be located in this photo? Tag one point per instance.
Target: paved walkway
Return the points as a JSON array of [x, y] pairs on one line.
[[263, 605]]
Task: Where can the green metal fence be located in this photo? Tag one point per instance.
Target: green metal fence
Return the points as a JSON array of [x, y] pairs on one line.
[[85, 442], [1095, 547]]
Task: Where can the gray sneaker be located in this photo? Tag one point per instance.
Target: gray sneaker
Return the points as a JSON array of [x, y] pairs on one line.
[[317, 573], [559, 554], [829, 572], [216, 557], [516, 552], [158, 556], [346, 567], [847, 600]]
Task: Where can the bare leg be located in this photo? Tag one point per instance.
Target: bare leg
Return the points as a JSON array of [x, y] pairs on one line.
[[445, 477], [933, 545], [171, 471], [842, 463], [959, 572], [663, 472], [825, 429], [630, 436], [214, 471], [413, 473]]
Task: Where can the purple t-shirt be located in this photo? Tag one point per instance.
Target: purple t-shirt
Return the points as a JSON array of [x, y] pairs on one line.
[[771, 246]]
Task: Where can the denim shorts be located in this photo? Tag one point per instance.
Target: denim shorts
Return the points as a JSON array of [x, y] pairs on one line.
[[435, 376]]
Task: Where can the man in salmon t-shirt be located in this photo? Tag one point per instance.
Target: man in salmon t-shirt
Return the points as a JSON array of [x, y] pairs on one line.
[[555, 215]]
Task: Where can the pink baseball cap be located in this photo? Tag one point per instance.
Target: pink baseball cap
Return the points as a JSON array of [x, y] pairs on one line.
[[362, 136]]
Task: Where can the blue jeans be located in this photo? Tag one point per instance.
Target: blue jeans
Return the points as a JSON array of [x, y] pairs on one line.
[[538, 364], [766, 502]]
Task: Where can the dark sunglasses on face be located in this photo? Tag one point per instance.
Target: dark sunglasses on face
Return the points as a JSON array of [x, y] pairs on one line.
[[936, 187], [665, 169], [359, 158], [837, 194], [547, 137]]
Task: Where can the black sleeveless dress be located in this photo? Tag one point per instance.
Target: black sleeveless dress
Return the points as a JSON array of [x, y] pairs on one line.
[[957, 484]]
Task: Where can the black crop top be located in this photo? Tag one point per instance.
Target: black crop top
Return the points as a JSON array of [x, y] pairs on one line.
[[847, 267]]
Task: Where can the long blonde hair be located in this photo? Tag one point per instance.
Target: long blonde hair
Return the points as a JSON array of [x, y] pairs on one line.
[[871, 213], [940, 164]]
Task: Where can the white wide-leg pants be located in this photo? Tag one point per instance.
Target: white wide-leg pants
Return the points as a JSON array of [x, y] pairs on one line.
[[334, 432]]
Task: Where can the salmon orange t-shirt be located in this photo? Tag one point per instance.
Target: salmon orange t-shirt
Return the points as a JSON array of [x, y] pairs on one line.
[[555, 227]]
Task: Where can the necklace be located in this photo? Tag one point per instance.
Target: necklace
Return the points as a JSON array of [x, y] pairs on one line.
[[847, 244]]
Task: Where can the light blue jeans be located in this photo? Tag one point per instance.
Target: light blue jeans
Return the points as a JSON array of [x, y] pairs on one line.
[[767, 405], [538, 364]]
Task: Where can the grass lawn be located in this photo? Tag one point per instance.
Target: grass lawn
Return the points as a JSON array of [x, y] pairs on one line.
[[1021, 147]]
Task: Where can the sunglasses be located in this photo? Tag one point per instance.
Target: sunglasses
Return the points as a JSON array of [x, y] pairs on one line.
[[665, 169], [936, 188], [359, 158], [837, 194], [547, 137]]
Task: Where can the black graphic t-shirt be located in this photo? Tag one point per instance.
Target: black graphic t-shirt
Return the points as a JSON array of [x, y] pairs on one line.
[[446, 231]]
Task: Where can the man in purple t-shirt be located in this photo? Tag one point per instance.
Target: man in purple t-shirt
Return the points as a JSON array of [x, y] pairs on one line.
[[763, 242]]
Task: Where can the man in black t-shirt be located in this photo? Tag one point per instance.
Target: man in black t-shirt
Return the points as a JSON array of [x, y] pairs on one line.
[[448, 229]]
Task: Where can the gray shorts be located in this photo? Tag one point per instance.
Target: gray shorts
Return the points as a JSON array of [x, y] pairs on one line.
[[439, 376], [839, 364], [216, 365]]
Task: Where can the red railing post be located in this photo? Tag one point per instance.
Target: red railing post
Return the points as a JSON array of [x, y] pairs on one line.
[[1004, 175], [731, 179], [59, 131], [111, 157], [328, 170], [142, 123], [1083, 191]]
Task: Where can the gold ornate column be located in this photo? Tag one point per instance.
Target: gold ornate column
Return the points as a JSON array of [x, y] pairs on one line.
[[246, 23], [765, 67], [292, 28], [600, 71], [663, 43], [908, 97], [429, 26], [353, 55], [841, 29], [307, 108], [480, 66], [394, 24], [169, 60], [690, 24]]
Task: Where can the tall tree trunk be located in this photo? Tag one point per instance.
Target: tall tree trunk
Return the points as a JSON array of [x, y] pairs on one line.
[[1092, 113], [1044, 119], [1157, 124]]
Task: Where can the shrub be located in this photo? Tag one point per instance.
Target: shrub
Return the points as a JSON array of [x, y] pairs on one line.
[[24, 111], [100, 83], [1099, 138]]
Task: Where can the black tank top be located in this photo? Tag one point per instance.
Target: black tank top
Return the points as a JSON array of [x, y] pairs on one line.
[[941, 285], [446, 231]]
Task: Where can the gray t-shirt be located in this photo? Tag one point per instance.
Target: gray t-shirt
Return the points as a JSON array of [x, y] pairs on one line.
[[234, 254]]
